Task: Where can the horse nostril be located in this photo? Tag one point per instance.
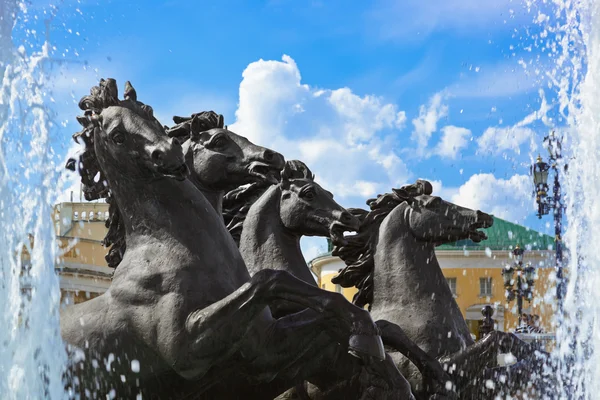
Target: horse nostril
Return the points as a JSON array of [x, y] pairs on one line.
[[346, 217], [157, 156]]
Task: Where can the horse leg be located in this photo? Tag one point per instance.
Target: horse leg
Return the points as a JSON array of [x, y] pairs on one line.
[[435, 379], [494, 343], [474, 364], [216, 332]]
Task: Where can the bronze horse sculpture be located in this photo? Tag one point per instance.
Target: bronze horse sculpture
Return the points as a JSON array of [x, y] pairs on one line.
[[391, 260], [219, 161], [270, 239], [182, 317]]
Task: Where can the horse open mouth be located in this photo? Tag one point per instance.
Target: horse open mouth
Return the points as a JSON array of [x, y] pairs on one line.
[[264, 172], [477, 235], [337, 233], [180, 173]]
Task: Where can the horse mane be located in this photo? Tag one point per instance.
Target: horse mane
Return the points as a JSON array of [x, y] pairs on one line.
[[199, 122], [93, 179], [296, 169], [237, 202], [359, 251]]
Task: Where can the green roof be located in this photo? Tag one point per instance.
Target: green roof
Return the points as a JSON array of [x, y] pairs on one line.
[[503, 235]]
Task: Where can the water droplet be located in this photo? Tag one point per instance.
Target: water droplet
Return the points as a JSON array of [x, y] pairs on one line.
[[135, 366]]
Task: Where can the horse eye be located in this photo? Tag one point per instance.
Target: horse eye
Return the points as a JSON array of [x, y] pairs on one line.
[[118, 137], [219, 142], [308, 194]]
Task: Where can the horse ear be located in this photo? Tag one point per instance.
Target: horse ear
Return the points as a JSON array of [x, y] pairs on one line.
[[179, 120], [425, 186], [130, 93], [180, 131]]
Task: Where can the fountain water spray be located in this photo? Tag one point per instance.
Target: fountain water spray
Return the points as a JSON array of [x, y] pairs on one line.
[[571, 38], [32, 355]]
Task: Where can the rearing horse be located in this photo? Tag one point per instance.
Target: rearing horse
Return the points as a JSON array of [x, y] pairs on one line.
[[182, 315], [392, 261], [295, 207], [270, 239], [219, 161]]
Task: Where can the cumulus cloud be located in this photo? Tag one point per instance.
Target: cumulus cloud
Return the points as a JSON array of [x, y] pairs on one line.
[[508, 199], [346, 139], [453, 140], [496, 139], [439, 189], [426, 123], [415, 20], [364, 115], [498, 80]]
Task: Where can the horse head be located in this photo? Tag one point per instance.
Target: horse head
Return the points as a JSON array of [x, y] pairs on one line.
[[122, 139], [431, 219], [124, 135], [309, 210], [221, 159]]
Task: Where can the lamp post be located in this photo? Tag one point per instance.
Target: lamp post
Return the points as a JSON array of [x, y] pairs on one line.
[[540, 171], [523, 286]]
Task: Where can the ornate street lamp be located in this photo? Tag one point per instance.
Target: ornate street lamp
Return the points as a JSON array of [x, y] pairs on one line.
[[523, 286], [540, 171]]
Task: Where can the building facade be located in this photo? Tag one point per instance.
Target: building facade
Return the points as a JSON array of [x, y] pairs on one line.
[[82, 269], [474, 273]]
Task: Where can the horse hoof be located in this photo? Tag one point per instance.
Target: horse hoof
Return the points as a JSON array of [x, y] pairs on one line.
[[366, 345]]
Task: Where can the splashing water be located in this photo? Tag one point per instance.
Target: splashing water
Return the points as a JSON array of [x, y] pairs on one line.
[[573, 29], [32, 355]]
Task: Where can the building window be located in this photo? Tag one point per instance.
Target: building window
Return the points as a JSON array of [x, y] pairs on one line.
[[485, 286], [452, 285]]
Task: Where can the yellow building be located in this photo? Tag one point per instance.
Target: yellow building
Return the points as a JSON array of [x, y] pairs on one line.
[[474, 274], [82, 269]]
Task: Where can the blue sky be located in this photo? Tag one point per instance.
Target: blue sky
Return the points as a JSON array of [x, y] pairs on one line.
[[370, 94]]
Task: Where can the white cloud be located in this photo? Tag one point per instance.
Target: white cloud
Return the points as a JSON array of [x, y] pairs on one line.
[[509, 199], [426, 123], [498, 139], [453, 140], [413, 20], [365, 115], [500, 80], [446, 193], [346, 139]]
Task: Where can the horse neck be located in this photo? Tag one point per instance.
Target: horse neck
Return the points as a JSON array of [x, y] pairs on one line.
[[214, 197], [162, 209], [266, 243], [404, 264]]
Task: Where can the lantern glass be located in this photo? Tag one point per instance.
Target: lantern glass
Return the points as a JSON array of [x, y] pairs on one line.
[[507, 275], [518, 253], [530, 274], [540, 172]]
